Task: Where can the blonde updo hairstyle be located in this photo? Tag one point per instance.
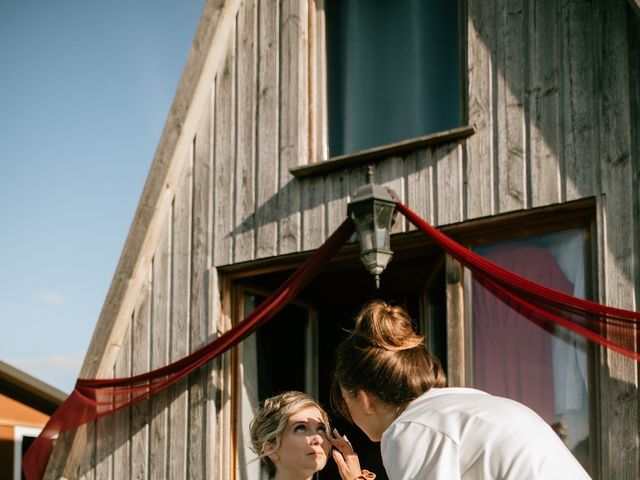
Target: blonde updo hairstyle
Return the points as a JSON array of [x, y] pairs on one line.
[[267, 426], [384, 357]]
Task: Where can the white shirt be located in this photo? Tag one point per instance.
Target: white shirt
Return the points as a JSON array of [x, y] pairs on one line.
[[462, 433]]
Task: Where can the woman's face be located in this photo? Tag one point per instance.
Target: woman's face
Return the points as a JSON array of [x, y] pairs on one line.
[[304, 447], [365, 420]]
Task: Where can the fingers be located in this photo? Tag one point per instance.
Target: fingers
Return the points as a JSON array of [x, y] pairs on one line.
[[340, 442]]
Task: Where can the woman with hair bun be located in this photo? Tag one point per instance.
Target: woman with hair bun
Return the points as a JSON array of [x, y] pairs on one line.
[[393, 390]]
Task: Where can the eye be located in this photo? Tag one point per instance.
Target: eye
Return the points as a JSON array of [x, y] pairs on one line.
[[300, 428], [322, 428]]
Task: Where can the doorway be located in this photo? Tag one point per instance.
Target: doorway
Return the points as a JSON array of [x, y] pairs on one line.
[[322, 316]]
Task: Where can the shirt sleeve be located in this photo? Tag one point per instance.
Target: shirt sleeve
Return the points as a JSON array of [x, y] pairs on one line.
[[412, 451]]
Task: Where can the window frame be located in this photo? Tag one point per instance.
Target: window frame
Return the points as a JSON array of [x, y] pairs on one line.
[[19, 432], [238, 291], [318, 94], [579, 214]]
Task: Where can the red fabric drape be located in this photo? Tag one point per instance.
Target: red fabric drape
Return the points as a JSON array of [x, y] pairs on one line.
[[92, 399], [613, 328]]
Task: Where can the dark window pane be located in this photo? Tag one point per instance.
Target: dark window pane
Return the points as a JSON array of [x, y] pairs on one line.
[[393, 71]]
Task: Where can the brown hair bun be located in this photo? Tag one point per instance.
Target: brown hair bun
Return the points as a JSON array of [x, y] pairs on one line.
[[383, 356], [387, 327]]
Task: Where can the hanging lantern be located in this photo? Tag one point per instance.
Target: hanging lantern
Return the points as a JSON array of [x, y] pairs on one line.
[[373, 210]]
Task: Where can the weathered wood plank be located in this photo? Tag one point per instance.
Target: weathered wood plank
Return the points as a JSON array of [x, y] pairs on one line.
[[140, 363], [121, 418], [419, 185], [633, 30], [224, 165], [544, 103], [200, 263], [390, 174], [224, 382], [180, 320], [245, 178], [336, 198], [318, 136], [214, 464], [448, 165], [577, 96], [456, 360], [294, 120], [105, 446], [267, 153], [161, 289], [510, 138], [313, 212], [212, 309], [87, 460], [86, 467], [479, 148], [620, 409]]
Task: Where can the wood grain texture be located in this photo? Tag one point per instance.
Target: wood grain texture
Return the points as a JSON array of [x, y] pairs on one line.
[[510, 133], [201, 254], [104, 447], [455, 323], [479, 148], [633, 30], [87, 461], [140, 363], [313, 212], [448, 166], [577, 95], [180, 320], [544, 103], [337, 194], [245, 177], [294, 120], [419, 174], [266, 222], [620, 410], [121, 419], [390, 174], [224, 155], [318, 124], [160, 314]]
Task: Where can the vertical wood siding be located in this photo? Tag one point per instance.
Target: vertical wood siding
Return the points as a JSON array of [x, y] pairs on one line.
[[140, 363], [200, 263], [620, 405], [552, 90]]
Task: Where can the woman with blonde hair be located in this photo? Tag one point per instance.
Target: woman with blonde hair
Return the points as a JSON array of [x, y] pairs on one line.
[[393, 390], [290, 435]]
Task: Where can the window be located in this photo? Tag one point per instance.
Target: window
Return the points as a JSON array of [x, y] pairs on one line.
[[276, 358], [393, 71], [546, 369], [23, 437], [296, 349]]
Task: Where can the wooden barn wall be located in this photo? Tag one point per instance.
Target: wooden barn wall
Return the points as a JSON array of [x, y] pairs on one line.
[[551, 87]]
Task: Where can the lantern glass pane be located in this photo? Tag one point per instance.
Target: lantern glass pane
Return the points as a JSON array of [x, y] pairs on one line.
[[383, 215]]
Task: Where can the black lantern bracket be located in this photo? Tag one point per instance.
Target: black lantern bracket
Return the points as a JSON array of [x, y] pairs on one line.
[[373, 210]]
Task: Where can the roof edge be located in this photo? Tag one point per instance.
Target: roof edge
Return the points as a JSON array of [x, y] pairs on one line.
[[30, 390]]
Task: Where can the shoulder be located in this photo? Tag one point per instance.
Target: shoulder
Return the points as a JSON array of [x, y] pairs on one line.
[[410, 449]]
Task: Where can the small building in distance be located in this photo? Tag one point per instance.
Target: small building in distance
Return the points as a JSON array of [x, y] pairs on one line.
[[25, 406]]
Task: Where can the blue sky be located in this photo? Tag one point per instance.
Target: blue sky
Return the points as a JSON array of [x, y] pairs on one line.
[[85, 88]]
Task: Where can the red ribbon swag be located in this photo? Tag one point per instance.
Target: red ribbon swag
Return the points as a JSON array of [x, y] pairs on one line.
[[613, 328], [610, 327]]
